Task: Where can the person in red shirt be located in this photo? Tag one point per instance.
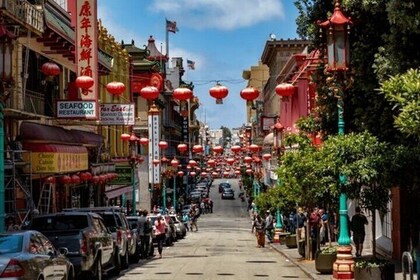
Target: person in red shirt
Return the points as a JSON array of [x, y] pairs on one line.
[[160, 231]]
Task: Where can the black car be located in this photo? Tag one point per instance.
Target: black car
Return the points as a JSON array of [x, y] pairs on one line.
[[89, 243], [228, 193], [224, 185]]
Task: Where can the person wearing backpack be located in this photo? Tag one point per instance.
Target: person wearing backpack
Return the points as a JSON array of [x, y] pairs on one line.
[[144, 230]]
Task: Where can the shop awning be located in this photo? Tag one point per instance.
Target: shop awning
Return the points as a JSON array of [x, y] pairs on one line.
[[117, 191]]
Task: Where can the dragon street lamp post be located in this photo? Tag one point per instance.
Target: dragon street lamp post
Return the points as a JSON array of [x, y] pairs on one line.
[[338, 52]]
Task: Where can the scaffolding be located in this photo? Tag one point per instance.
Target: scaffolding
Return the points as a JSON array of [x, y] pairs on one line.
[[19, 202]]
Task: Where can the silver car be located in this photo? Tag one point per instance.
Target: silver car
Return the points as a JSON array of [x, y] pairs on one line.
[[30, 255]]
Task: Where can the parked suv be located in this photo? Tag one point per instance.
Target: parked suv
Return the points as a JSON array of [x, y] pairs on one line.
[[88, 241], [116, 222]]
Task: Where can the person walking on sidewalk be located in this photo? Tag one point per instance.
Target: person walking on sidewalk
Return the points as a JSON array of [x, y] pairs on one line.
[[160, 230], [144, 229], [269, 227], [259, 226], [358, 222]]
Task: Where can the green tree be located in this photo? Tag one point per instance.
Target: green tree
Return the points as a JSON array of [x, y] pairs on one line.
[[403, 91], [227, 135]]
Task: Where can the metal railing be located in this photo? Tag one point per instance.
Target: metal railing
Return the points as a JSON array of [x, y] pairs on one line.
[[25, 12], [407, 258], [34, 103]]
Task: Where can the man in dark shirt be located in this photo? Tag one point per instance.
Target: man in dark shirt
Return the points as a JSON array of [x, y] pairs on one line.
[[144, 229], [358, 222]]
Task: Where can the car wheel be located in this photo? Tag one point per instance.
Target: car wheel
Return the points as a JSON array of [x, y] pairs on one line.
[[97, 270], [136, 257], [70, 274], [124, 260], [117, 263]]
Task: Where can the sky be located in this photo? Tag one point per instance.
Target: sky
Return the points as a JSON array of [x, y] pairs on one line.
[[222, 37]]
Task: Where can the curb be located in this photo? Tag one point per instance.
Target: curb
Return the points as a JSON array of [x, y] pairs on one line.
[[301, 267]]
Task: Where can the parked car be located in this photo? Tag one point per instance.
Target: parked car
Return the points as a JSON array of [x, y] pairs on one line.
[[116, 222], [181, 230], [228, 193], [89, 243], [30, 255], [132, 221]]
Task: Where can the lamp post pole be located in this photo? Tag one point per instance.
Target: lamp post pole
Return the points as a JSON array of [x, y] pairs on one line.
[[338, 52]]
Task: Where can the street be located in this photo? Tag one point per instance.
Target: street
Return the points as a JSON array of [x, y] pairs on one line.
[[223, 248]]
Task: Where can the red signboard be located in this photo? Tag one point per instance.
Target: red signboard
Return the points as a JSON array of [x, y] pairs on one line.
[[87, 45]]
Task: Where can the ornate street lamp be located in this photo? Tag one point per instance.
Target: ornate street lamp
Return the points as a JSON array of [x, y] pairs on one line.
[[338, 53]]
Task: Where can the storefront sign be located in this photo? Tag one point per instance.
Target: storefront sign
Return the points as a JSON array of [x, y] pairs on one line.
[[154, 152], [87, 46], [60, 162], [76, 109], [117, 114], [125, 175]]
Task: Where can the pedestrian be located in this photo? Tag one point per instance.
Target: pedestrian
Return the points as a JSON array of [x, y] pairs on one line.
[[357, 225], [211, 205], [202, 207], [314, 224], [415, 242], [323, 232], [160, 230], [186, 220], [194, 214], [144, 230], [299, 220], [269, 227], [259, 227]]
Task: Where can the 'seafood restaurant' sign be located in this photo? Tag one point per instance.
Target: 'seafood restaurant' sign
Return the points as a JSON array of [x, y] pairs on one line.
[[87, 47], [76, 109]]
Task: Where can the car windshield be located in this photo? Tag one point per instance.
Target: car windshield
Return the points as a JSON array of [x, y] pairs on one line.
[[59, 223], [10, 244], [109, 220]]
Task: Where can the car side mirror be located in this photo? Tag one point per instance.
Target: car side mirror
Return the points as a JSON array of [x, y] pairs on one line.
[[63, 251]]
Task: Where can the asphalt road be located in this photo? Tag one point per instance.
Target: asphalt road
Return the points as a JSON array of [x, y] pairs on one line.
[[223, 248]]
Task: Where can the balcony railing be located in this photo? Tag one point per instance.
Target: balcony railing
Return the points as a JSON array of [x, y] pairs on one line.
[[25, 13], [35, 102]]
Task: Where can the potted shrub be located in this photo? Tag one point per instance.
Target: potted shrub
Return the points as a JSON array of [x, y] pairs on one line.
[[291, 241], [374, 268], [325, 258]]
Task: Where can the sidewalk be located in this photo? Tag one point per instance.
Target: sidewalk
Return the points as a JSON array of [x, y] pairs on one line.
[[308, 267]]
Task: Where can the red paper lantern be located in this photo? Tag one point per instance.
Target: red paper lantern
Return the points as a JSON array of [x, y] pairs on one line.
[[143, 141], [249, 94], [149, 92], [192, 163], [219, 92], [182, 94], [248, 159], [50, 69], [125, 136], [285, 89], [84, 82], [50, 180], [235, 149], [182, 148], [211, 162], [254, 148], [95, 179], [248, 171], [175, 163], [267, 157], [193, 173], [197, 149], [237, 172], [230, 161], [180, 173], [156, 162], [66, 179], [102, 178], [116, 88], [217, 149], [75, 179], [163, 145], [203, 174]]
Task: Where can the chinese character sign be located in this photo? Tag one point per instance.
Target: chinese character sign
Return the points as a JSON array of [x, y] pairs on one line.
[[154, 152], [87, 45]]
